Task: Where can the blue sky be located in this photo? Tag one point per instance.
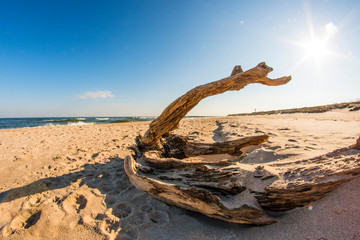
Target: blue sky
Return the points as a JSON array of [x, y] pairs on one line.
[[133, 58]]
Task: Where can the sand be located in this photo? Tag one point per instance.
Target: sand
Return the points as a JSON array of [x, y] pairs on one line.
[[68, 182]]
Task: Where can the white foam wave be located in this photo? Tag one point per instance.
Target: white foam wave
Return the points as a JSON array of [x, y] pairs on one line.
[[81, 119], [54, 120], [102, 119], [79, 124]]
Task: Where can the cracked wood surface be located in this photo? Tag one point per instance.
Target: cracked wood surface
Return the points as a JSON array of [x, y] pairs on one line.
[[236, 192]]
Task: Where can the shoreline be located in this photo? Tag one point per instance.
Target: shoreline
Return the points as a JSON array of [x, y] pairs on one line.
[[350, 106], [18, 123]]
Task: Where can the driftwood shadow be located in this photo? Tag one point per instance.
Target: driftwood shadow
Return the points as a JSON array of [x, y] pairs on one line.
[[93, 175]]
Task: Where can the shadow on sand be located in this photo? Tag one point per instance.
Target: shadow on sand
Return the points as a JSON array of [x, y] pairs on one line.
[[105, 177]]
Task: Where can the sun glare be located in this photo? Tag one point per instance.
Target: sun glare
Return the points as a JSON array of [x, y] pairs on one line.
[[315, 48], [318, 46]]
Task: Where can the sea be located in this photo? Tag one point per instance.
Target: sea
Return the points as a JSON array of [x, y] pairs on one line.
[[6, 123]]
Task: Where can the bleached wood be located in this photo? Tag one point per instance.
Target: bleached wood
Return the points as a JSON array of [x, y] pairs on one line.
[[171, 116], [237, 192], [181, 147], [177, 171]]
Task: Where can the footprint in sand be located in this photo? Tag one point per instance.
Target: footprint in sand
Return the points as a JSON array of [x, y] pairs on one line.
[[7, 231], [111, 200], [122, 210], [146, 208], [137, 219], [155, 212], [74, 203], [122, 183], [26, 219], [34, 201]]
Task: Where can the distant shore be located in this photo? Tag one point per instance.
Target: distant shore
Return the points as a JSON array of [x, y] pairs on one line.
[[351, 106]]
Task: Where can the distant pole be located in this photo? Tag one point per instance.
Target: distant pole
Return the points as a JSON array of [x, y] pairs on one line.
[[255, 110]]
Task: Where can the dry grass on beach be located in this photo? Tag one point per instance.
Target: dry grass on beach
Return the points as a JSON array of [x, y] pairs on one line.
[[351, 106], [68, 182]]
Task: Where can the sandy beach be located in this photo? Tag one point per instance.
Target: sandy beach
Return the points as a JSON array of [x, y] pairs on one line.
[[68, 182]]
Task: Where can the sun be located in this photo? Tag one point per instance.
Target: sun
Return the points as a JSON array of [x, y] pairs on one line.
[[315, 48]]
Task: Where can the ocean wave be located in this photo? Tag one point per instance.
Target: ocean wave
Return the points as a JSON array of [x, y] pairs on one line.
[[64, 120], [54, 120], [46, 125], [102, 119], [68, 124], [79, 123], [143, 118]]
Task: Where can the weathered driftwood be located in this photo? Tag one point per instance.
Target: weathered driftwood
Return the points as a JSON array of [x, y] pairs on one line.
[[238, 192], [181, 147], [308, 180], [171, 116], [210, 178]]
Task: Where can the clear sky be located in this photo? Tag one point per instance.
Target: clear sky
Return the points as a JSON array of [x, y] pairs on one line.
[[133, 58]]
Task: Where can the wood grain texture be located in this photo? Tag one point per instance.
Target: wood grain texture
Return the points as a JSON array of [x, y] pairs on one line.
[[236, 192]]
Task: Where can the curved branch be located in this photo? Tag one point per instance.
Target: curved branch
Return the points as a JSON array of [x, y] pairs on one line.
[[171, 116], [275, 82]]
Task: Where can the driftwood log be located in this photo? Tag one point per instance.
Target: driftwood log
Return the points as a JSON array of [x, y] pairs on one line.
[[171, 116], [177, 171]]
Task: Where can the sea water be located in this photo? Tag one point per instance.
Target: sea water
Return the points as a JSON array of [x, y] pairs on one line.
[[70, 121]]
